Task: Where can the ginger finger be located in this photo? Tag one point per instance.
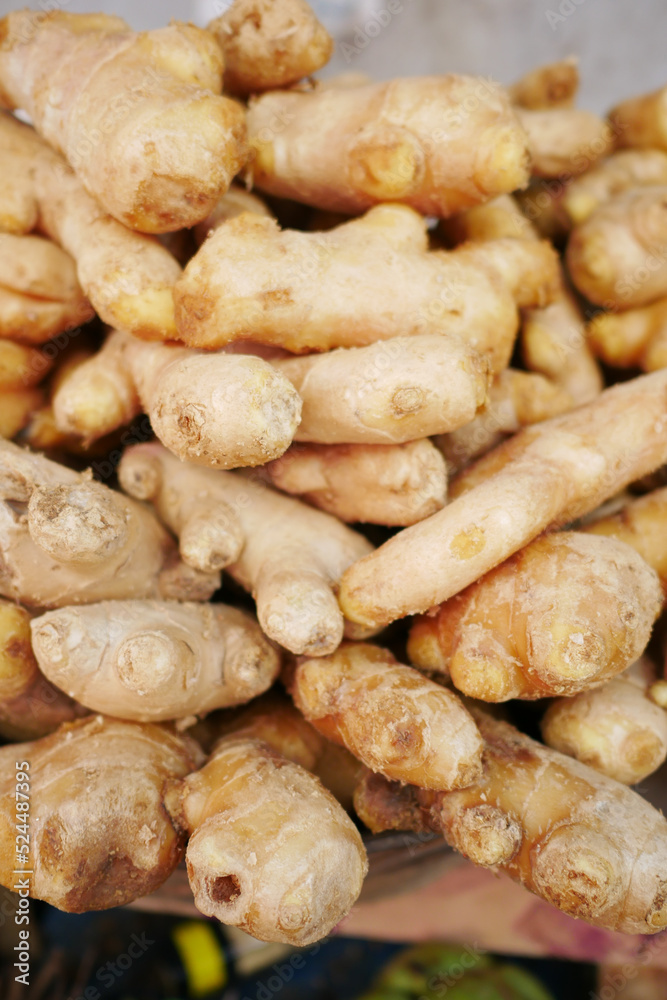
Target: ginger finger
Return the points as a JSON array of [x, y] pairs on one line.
[[585, 843], [377, 483], [641, 523], [549, 474], [640, 122], [234, 202], [30, 706], [616, 257], [515, 399], [302, 294], [65, 539], [564, 140], [566, 613], [37, 267], [307, 862], [553, 85], [34, 321], [395, 391], [16, 408], [165, 86], [19, 211], [615, 729], [623, 170], [497, 219], [437, 143], [293, 556], [151, 661], [21, 366], [93, 844], [270, 45], [636, 338], [389, 716]]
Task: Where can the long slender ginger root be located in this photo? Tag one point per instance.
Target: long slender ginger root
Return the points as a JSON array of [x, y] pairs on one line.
[[127, 276], [223, 410], [17, 406], [151, 661], [641, 523], [641, 122], [564, 140], [553, 85], [549, 474], [270, 851], [397, 390], [378, 483], [159, 156], [369, 279], [234, 202], [616, 257], [65, 539], [581, 841], [268, 45], [30, 706], [615, 729], [515, 399], [636, 338], [391, 718], [623, 170], [564, 614], [292, 558], [99, 833]]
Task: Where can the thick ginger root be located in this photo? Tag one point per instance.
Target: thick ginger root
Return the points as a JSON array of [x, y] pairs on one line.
[[223, 410], [437, 143], [641, 523], [99, 834], [396, 390], [377, 483], [270, 849], [583, 842], [292, 556], [615, 729], [369, 279], [636, 338], [30, 706], [616, 257], [553, 85], [269, 45], [565, 613], [623, 170], [391, 718], [564, 141], [65, 539], [641, 122], [152, 661], [546, 475], [167, 146]]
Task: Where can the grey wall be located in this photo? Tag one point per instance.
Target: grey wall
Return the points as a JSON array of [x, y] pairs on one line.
[[620, 44]]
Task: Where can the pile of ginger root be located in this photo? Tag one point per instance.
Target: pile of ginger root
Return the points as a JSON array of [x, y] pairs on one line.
[[284, 362]]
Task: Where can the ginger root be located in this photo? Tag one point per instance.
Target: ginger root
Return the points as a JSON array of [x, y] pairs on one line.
[[17, 407], [564, 141], [269, 45], [636, 338], [565, 613], [292, 556], [301, 292], [641, 523], [152, 661], [623, 170], [583, 842], [553, 85], [391, 718], [377, 483], [234, 202], [615, 729], [166, 147], [99, 834], [641, 122], [546, 475]]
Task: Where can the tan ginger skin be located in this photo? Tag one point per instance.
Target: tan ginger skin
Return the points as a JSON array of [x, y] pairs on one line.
[[565, 613], [66, 539], [222, 410], [369, 279], [270, 849], [166, 147], [616, 256], [623, 170], [641, 122], [583, 842], [396, 391], [546, 475], [17, 407], [151, 661], [234, 202], [389, 716], [268, 45], [292, 556], [30, 706], [641, 523], [22, 366], [377, 483], [615, 729], [636, 338], [564, 141], [99, 834], [127, 276], [553, 85]]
